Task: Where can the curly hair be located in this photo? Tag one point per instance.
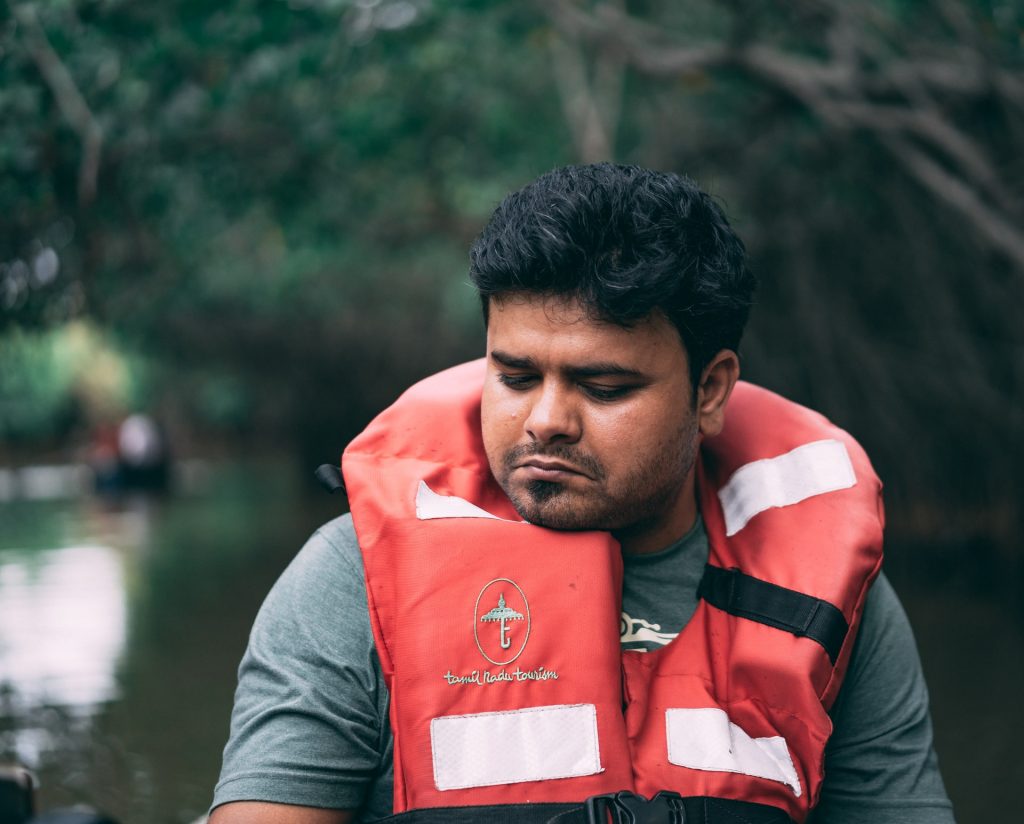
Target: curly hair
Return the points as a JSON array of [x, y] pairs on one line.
[[626, 242]]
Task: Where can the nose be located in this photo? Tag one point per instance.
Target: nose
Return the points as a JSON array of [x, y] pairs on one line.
[[553, 416]]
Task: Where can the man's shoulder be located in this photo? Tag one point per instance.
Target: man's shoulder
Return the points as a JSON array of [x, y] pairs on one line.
[[328, 565], [333, 545], [310, 714], [340, 535], [317, 610]]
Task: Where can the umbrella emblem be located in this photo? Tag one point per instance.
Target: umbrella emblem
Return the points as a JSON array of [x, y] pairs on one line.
[[504, 614], [499, 650]]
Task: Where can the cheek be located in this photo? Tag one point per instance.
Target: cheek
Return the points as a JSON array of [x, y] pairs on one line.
[[622, 427], [642, 432], [498, 421]]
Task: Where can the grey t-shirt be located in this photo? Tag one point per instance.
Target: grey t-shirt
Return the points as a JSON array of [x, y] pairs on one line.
[[310, 722]]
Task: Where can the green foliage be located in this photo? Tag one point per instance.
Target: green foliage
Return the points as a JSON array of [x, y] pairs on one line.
[[35, 387], [286, 191], [52, 382], [273, 156], [279, 182]]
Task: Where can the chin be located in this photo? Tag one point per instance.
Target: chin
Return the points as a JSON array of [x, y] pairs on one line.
[[552, 506]]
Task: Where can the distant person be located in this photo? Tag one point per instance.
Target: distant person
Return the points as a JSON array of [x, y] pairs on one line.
[[591, 577], [102, 456], [133, 457], [144, 457]]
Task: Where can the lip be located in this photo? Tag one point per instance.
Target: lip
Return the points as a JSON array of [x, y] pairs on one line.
[[539, 469]]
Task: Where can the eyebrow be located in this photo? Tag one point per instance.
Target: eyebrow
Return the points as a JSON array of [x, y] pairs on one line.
[[511, 361], [595, 369]]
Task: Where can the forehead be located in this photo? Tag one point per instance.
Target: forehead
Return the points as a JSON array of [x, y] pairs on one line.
[[560, 329]]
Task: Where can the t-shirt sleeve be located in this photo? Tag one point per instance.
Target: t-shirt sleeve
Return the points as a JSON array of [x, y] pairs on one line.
[[880, 765], [306, 724]]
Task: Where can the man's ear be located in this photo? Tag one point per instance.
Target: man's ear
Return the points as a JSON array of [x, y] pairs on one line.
[[716, 383]]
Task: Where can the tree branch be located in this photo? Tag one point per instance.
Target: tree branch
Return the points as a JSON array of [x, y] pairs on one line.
[[890, 97], [69, 99], [578, 104], [949, 189], [591, 103]]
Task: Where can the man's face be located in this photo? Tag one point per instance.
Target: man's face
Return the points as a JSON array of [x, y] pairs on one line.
[[586, 424]]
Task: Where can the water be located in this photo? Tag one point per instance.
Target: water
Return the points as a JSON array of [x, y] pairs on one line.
[[121, 626], [971, 642]]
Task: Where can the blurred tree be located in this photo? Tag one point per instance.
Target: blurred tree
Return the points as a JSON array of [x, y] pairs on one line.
[[280, 192], [275, 198], [872, 154], [51, 382]]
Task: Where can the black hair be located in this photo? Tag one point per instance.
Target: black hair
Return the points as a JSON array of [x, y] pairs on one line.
[[625, 241]]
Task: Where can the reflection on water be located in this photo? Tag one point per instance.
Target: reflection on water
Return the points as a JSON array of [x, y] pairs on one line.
[[62, 623], [41, 482], [122, 624]]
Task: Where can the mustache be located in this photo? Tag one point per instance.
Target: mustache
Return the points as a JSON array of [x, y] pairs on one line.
[[587, 463]]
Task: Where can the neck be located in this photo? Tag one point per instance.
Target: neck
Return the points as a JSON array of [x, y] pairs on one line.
[[668, 526]]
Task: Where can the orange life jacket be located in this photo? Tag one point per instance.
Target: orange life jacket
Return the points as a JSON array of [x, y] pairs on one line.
[[499, 640]]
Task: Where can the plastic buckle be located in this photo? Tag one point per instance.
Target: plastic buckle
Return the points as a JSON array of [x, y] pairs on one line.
[[629, 808]]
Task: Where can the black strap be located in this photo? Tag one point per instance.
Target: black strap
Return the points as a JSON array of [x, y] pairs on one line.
[[748, 597], [695, 810], [330, 477], [623, 809]]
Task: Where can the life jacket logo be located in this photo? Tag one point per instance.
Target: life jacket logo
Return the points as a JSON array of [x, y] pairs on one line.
[[501, 621]]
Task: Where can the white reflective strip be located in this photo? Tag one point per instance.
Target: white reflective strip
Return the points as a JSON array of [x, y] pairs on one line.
[[431, 505], [808, 470], [533, 744], [705, 739]]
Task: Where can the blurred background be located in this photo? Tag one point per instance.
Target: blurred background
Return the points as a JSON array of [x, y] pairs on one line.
[[231, 232]]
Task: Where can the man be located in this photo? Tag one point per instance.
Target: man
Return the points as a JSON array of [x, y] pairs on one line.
[[452, 647]]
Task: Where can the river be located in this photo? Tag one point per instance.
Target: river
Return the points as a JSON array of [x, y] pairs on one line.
[[122, 622]]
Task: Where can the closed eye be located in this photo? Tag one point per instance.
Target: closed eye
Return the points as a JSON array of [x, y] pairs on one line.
[[606, 393], [516, 381]]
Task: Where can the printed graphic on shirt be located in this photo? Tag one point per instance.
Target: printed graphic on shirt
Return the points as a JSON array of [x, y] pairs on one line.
[[639, 635]]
